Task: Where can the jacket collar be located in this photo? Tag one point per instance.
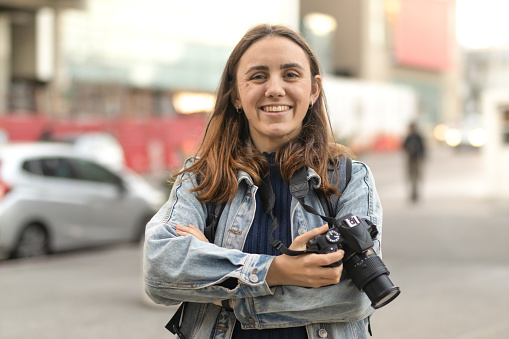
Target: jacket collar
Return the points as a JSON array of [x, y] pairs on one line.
[[312, 176]]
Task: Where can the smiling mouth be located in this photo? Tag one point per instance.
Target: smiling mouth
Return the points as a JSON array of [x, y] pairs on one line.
[[275, 109]]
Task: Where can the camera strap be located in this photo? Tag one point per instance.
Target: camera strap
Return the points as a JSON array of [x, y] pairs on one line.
[[299, 188]]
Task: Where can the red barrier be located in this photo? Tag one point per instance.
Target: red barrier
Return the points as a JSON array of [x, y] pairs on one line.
[[157, 143], [23, 127]]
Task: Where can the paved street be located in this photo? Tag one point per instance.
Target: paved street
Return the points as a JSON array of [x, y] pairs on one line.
[[448, 254]]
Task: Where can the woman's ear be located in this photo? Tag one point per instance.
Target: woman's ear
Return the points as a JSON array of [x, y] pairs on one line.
[[235, 99], [316, 88]]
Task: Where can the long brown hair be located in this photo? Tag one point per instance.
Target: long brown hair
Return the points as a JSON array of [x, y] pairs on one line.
[[226, 148]]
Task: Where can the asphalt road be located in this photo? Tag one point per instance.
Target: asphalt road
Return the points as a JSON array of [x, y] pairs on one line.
[[448, 253]]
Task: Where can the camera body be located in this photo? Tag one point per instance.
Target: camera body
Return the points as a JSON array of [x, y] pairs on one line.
[[355, 236]]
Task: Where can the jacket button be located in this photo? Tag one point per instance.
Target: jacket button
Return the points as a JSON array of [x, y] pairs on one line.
[[253, 278], [322, 333], [250, 320], [301, 231]]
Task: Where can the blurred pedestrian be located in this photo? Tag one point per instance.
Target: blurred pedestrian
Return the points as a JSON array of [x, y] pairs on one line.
[[415, 151], [269, 121], [46, 134]]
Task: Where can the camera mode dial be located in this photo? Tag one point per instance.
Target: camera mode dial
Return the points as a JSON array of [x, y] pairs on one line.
[[332, 236]]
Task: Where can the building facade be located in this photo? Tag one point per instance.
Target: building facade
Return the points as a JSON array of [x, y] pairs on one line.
[[405, 42], [148, 59], [120, 57]]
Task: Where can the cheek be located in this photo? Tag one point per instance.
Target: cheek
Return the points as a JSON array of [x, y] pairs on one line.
[[246, 91]]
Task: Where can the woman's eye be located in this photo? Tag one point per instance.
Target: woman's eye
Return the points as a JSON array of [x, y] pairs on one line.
[[292, 75], [258, 77]]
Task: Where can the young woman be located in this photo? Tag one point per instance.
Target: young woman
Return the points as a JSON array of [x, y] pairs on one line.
[[269, 121]]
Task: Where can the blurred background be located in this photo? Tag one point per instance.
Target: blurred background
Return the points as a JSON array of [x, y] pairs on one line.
[[129, 85]]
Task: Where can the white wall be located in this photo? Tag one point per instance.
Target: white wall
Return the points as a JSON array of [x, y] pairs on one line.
[[361, 111], [496, 151]]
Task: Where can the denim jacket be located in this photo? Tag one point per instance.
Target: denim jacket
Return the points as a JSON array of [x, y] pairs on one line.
[[179, 269]]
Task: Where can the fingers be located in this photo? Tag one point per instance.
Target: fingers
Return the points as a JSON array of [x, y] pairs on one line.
[[299, 243], [327, 259], [328, 276], [325, 274], [191, 230], [307, 270]]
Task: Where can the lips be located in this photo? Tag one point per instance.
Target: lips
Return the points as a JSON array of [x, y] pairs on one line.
[[275, 108]]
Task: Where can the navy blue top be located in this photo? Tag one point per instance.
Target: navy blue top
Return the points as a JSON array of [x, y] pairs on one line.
[[258, 241]]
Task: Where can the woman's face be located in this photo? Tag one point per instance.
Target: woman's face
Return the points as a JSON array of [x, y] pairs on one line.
[[274, 89]]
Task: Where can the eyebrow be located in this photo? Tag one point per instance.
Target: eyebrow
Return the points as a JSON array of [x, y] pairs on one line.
[[266, 68], [292, 65], [257, 68]]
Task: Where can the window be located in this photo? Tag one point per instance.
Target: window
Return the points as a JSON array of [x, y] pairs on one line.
[[33, 166], [71, 168], [87, 170], [57, 167]]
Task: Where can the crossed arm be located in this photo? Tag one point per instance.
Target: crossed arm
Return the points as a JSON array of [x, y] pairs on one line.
[[306, 270]]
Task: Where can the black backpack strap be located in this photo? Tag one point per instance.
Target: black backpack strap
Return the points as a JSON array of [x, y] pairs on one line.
[[176, 322], [214, 212]]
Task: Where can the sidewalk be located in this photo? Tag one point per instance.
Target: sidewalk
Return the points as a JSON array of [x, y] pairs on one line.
[[447, 253]]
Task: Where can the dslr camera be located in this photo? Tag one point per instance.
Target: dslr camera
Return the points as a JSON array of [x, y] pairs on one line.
[[355, 236]]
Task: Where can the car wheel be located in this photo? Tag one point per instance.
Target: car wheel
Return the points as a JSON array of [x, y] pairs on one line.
[[33, 241]]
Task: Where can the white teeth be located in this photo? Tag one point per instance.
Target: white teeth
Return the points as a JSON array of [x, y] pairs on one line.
[[275, 108]]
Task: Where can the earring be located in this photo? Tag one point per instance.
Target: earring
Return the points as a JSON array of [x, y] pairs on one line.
[[239, 110], [310, 104]]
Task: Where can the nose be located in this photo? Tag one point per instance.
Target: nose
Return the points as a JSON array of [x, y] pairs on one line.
[[275, 87]]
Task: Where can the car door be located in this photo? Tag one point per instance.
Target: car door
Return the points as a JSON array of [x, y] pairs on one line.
[[59, 202], [113, 212]]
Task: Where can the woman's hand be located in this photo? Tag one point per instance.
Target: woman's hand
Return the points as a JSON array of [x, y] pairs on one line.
[[191, 230], [305, 270]]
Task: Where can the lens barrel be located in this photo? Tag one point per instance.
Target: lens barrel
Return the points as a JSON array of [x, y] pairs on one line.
[[381, 291], [369, 274]]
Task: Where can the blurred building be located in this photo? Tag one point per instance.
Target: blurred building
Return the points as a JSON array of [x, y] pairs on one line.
[[408, 42], [485, 68], [29, 45], [75, 57], [114, 58], [137, 69], [386, 62]]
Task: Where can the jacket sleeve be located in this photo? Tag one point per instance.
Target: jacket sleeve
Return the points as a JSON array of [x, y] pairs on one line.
[[178, 268], [337, 303]]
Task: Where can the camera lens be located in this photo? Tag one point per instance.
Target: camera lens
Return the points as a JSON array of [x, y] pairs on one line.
[[370, 275], [381, 291]]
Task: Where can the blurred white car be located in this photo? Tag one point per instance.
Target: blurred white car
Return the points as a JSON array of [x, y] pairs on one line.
[[101, 146], [54, 199]]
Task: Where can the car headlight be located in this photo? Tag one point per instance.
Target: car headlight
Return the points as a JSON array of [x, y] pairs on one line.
[[440, 131], [477, 137], [453, 137]]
